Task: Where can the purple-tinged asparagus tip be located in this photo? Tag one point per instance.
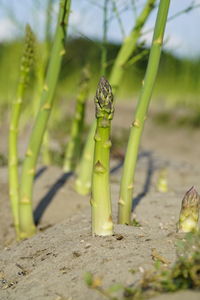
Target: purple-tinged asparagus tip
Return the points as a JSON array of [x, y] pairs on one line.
[[104, 99], [189, 214]]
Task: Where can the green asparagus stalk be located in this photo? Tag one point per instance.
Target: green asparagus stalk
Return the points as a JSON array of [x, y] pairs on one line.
[[45, 151], [84, 172], [27, 226], [48, 23], [100, 200], [189, 214], [129, 46], [26, 63], [126, 187], [115, 10], [72, 152]]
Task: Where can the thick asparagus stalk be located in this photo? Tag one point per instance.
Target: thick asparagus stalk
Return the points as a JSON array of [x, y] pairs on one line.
[[189, 214], [100, 200], [126, 188], [73, 147], [84, 173], [27, 227], [26, 63]]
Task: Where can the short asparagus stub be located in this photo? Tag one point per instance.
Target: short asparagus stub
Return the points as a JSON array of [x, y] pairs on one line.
[[26, 222], [128, 174], [189, 214], [162, 184], [102, 224]]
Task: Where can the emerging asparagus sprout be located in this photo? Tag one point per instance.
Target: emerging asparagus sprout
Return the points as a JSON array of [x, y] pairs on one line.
[[100, 200], [189, 214], [162, 184]]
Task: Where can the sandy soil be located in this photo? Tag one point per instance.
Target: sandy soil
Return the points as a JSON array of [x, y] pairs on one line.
[[52, 264]]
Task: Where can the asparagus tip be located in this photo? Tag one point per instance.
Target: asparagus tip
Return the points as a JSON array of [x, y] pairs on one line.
[[104, 99], [189, 214]]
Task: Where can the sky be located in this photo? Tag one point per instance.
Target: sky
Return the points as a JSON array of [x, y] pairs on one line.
[[182, 35]]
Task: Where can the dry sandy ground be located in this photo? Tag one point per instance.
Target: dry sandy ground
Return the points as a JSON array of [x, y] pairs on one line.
[[51, 265]]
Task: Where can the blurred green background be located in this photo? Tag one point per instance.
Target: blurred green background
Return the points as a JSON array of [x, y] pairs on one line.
[[178, 81]]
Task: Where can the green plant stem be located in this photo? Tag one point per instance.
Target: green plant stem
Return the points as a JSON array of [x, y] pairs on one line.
[[27, 226], [115, 9], [46, 155], [129, 46], [126, 188], [72, 152], [48, 24], [100, 199], [26, 63], [84, 172]]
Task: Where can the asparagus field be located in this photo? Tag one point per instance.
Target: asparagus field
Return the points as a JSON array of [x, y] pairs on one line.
[[99, 153]]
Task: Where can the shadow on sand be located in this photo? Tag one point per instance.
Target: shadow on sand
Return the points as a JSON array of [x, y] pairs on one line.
[[46, 200]]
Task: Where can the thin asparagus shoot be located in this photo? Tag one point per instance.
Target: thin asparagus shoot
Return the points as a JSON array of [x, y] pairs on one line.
[[27, 226], [128, 174], [100, 199], [129, 46], [189, 214], [26, 63], [72, 152]]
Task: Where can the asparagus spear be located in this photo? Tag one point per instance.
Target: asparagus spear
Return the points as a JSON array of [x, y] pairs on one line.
[[100, 200], [126, 188], [73, 147], [27, 226], [189, 214], [83, 180], [26, 63]]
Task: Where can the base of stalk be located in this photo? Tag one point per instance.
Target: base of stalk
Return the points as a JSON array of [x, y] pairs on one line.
[[102, 230], [82, 188], [188, 226], [25, 235]]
